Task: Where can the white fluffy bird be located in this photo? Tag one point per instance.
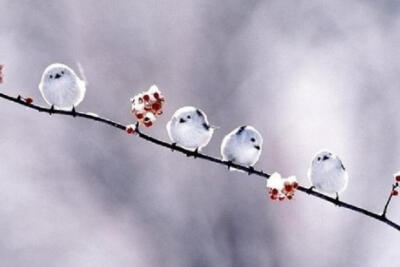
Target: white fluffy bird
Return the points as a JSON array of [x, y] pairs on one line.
[[327, 173], [242, 146], [190, 129], [61, 87]]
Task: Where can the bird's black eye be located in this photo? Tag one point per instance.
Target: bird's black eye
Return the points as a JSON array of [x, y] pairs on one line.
[[253, 139], [188, 116], [51, 76], [319, 158], [62, 72]]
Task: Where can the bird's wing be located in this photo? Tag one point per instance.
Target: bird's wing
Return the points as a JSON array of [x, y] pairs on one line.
[[341, 165], [169, 128]]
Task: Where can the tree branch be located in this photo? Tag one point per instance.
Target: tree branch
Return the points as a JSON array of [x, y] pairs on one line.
[[90, 116]]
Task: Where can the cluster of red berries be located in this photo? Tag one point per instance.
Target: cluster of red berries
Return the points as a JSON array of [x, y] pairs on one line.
[[281, 188], [148, 105], [397, 179], [1, 73]]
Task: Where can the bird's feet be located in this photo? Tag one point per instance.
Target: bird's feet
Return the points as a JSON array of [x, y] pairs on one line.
[[337, 201], [73, 111], [229, 164], [309, 190], [51, 110], [196, 152], [193, 153], [173, 146], [250, 171]]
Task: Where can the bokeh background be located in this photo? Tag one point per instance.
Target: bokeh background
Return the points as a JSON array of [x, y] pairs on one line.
[[308, 74]]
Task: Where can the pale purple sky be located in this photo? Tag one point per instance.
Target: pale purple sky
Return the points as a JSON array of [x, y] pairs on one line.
[[307, 74]]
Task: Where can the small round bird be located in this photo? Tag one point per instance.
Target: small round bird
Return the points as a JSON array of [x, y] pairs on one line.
[[242, 146], [327, 173], [61, 87], [190, 128]]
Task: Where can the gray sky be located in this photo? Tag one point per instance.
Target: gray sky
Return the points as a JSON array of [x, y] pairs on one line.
[[307, 74]]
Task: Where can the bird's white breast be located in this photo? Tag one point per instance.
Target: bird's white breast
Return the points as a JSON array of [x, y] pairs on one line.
[[239, 152], [63, 93], [330, 178], [188, 135]]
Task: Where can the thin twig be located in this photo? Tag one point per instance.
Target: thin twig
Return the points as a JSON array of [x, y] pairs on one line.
[[172, 147], [392, 192]]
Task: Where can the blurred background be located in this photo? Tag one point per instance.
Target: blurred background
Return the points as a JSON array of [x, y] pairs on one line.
[[307, 74]]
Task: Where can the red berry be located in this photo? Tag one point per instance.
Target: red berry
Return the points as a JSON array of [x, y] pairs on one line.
[[289, 197], [130, 130], [397, 178], [146, 97], [148, 123], [29, 100], [395, 193], [156, 95], [288, 187], [139, 116], [295, 185], [156, 106], [274, 191]]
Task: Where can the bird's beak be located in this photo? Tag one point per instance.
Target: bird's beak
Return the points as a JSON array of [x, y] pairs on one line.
[[257, 147], [57, 76], [325, 158], [182, 120]]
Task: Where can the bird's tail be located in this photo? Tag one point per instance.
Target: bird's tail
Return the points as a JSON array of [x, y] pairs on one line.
[[82, 72]]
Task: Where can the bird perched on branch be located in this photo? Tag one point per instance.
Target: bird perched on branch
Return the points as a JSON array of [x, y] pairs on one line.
[[327, 173], [242, 146], [61, 87], [190, 128]]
